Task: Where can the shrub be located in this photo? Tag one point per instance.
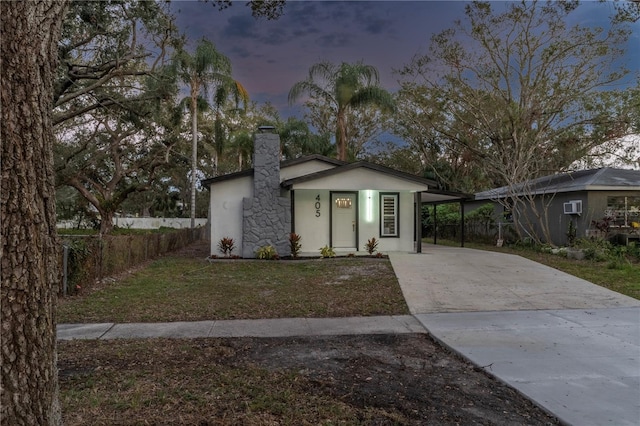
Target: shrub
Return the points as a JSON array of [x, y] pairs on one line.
[[633, 250], [597, 249], [327, 251], [603, 225], [226, 246], [78, 253], [619, 255], [294, 242], [571, 233], [267, 253], [371, 245]]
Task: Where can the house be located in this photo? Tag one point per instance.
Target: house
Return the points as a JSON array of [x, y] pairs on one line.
[[325, 201], [581, 198]]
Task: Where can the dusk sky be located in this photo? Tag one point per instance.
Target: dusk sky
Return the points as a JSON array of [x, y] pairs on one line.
[[268, 57]]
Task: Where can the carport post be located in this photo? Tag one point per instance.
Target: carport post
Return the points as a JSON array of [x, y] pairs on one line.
[[461, 223], [418, 213], [435, 226]]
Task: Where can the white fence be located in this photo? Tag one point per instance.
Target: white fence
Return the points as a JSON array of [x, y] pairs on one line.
[[145, 222]]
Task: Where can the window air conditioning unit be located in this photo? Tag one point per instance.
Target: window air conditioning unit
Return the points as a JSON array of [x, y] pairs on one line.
[[573, 207]]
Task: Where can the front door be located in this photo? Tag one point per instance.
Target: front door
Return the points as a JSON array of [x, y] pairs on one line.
[[344, 224]]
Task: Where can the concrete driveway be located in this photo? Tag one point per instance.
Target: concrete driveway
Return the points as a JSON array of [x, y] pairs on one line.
[[452, 279], [570, 345]]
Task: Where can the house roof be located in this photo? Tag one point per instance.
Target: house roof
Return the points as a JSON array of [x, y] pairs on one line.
[[431, 194], [283, 164], [604, 179]]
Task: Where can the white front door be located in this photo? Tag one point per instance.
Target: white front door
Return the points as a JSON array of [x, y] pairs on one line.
[[344, 223]]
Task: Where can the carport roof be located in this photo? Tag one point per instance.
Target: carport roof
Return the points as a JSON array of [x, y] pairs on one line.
[[437, 196]]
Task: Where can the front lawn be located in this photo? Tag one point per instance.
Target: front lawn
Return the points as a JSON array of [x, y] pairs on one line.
[[178, 288]]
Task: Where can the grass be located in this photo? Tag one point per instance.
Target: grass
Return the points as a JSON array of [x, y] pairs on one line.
[[347, 380], [184, 289], [181, 382], [622, 277]]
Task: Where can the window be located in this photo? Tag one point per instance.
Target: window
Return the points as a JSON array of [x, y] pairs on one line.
[[623, 211], [389, 215]]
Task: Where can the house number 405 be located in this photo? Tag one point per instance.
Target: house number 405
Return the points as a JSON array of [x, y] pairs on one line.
[[317, 206]]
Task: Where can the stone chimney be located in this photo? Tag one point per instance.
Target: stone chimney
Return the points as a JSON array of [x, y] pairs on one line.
[[266, 216]]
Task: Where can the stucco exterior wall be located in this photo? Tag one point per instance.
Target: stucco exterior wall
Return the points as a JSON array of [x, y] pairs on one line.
[[369, 220], [226, 211], [315, 230], [302, 169], [358, 179], [310, 223]]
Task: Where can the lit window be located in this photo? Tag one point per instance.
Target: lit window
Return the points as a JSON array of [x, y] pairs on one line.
[[389, 215]]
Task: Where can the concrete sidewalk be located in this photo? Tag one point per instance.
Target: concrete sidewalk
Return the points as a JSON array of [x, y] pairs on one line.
[[569, 345], [283, 327]]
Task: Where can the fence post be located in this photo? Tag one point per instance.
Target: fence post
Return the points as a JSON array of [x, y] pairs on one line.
[[100, 258], [65, 274]]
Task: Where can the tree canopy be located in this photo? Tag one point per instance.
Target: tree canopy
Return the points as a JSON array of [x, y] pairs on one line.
[[519, 91], [339, 90]]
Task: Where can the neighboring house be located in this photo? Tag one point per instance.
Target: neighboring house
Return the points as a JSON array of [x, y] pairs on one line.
[[325, 201], [581, 197]]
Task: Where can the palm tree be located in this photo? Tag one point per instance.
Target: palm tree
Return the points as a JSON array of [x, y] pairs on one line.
[[206, 67], [343, 88], [296, 139]]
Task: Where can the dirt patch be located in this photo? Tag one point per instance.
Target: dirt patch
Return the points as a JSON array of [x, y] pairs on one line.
[[411, 375], [373, 380]]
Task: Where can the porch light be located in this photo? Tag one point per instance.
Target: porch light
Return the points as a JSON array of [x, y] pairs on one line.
[[368, 216], [343, 203]]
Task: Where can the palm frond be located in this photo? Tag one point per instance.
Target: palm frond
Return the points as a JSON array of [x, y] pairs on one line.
[[373, 96]]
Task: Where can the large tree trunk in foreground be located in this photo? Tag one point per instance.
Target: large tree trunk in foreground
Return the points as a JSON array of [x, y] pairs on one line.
[[29, 249]]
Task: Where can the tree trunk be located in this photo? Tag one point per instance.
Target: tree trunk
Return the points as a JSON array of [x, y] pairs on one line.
[[194, 151], [29, 248], [341, 136], [106, 221]]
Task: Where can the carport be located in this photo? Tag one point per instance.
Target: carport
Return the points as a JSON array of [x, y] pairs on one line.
[[435, 198]]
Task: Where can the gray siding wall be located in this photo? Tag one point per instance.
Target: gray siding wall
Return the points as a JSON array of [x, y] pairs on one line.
[[594, 204]]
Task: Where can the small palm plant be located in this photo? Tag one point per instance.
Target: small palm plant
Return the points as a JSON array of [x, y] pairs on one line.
[[267, 253], [294, 241], [327, 251], [226, 246], [371, 246]]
